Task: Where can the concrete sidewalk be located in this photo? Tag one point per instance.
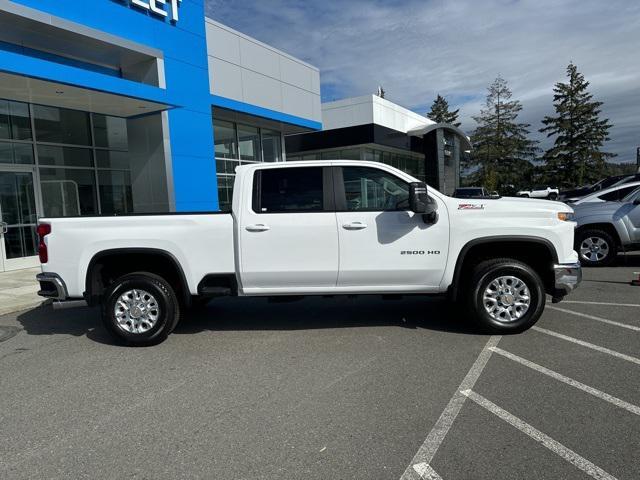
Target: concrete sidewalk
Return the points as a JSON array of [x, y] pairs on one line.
[[18, 290]]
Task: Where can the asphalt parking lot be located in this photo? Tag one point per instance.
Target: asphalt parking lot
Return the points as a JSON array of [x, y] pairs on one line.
[[329, 389]]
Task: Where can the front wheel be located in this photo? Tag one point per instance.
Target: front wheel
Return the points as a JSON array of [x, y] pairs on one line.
[[596, 248], [506, 296], [140, 309], [553, 196]]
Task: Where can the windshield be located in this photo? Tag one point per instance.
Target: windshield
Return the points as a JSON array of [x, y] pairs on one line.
[[633, 196]]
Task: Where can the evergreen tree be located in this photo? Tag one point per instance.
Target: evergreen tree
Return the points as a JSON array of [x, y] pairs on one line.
[[502, 150], [440, 112], [576, 157]]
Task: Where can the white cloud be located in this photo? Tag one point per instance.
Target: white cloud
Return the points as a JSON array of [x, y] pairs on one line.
[[417, 49]]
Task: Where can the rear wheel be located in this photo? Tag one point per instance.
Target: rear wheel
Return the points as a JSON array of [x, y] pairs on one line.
[[140, 309], [505, 296], [596, 248], [553, 196]]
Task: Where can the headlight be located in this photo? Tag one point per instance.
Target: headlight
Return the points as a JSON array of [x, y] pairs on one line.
[[566, 216]]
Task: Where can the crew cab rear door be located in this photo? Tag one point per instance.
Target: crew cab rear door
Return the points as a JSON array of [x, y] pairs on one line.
[[288, 238], [383, 245]]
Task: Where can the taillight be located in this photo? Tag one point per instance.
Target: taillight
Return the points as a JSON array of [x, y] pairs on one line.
[[43, 230]]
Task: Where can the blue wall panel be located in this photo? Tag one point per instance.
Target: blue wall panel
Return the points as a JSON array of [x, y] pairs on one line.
[[185, 57]]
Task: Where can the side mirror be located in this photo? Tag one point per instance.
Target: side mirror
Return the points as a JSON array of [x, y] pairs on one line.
[[419, 202]]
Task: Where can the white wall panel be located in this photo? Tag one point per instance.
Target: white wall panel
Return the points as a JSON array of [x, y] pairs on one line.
[[223, 44], [261, 90], [296, 74], [225, 79], [260, 59], [297, 101], [242, 68]]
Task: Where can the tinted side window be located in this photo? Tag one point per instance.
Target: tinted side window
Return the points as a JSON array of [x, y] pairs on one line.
[[282, 190], [617, 195], [370, 189]]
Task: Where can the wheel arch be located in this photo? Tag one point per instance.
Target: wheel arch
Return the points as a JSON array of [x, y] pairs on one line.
[[506, 246], [610, 228], [153, 260]]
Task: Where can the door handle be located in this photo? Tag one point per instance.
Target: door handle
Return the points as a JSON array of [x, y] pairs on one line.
[[4, 228], [354, 226], [257, 228]]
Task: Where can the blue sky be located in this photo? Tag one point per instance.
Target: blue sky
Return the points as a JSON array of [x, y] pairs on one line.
[[416, 49]]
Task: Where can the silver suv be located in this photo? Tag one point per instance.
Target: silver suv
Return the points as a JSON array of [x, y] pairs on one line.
[[605, 228]]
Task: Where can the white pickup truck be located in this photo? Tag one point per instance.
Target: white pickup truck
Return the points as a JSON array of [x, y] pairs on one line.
[[315, 228]]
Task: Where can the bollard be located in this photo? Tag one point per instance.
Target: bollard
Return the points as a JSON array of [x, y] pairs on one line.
[[636, 281]]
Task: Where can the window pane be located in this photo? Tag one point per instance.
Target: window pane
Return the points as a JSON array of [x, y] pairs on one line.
[[374, 190], [617, 195], [68, 192], [17, 198], [291, 190], [225, 192], [16, 153], [224, 137], [20, 242], [351, 154], [65, 156], [272, 146], [227, 166], [249, 143], [60, 125], [14, 121], [110, 132], [117, 160], [115, 192]]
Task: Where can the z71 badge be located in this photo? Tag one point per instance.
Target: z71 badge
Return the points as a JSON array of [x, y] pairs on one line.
[[471, 206]]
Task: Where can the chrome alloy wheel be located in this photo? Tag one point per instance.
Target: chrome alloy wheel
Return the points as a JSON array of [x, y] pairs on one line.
[[136, 311], [594, 249], [506, 299]]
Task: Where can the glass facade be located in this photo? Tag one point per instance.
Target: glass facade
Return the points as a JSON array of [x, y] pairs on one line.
[[80, 158], [240, 144], [410, 162]]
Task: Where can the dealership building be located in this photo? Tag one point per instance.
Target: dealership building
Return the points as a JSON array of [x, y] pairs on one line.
[[132, 106], [373, 128]]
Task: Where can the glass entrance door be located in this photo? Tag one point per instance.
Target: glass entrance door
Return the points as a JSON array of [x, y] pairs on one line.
[[18, 219]]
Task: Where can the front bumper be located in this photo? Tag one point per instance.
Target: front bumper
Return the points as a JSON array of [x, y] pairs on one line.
[[567, 278], [52, 286]]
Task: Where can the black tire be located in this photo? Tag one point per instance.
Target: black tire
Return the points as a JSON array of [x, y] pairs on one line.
[[525, 195], [553, 196], [168, 308], [484, 274], [596, 236]]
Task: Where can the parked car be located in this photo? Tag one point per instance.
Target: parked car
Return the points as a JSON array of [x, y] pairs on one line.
[[611, 194], [315, 228], [604, 228], [578, 193], [540, 191]]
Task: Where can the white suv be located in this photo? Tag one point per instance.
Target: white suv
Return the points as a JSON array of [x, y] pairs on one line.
[[540, 192]]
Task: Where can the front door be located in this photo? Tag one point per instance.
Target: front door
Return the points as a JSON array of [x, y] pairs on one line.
[[18, 219], [287, 231], [384, 246]]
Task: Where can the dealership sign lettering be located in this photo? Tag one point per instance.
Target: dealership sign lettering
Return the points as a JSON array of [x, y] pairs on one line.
[[162, 8]]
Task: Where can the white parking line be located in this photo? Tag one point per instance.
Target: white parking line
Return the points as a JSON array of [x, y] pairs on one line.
[[610, 304], [598, 319], [429, 447], [426, 472], [569, 381], [598, 348], [548, 442]]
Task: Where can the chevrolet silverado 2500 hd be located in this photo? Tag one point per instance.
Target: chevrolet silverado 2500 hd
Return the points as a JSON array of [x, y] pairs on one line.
[[315, 228]]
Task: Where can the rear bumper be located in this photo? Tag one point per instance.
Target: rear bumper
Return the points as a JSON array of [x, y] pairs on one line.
[[52, 286], [567, 278]]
